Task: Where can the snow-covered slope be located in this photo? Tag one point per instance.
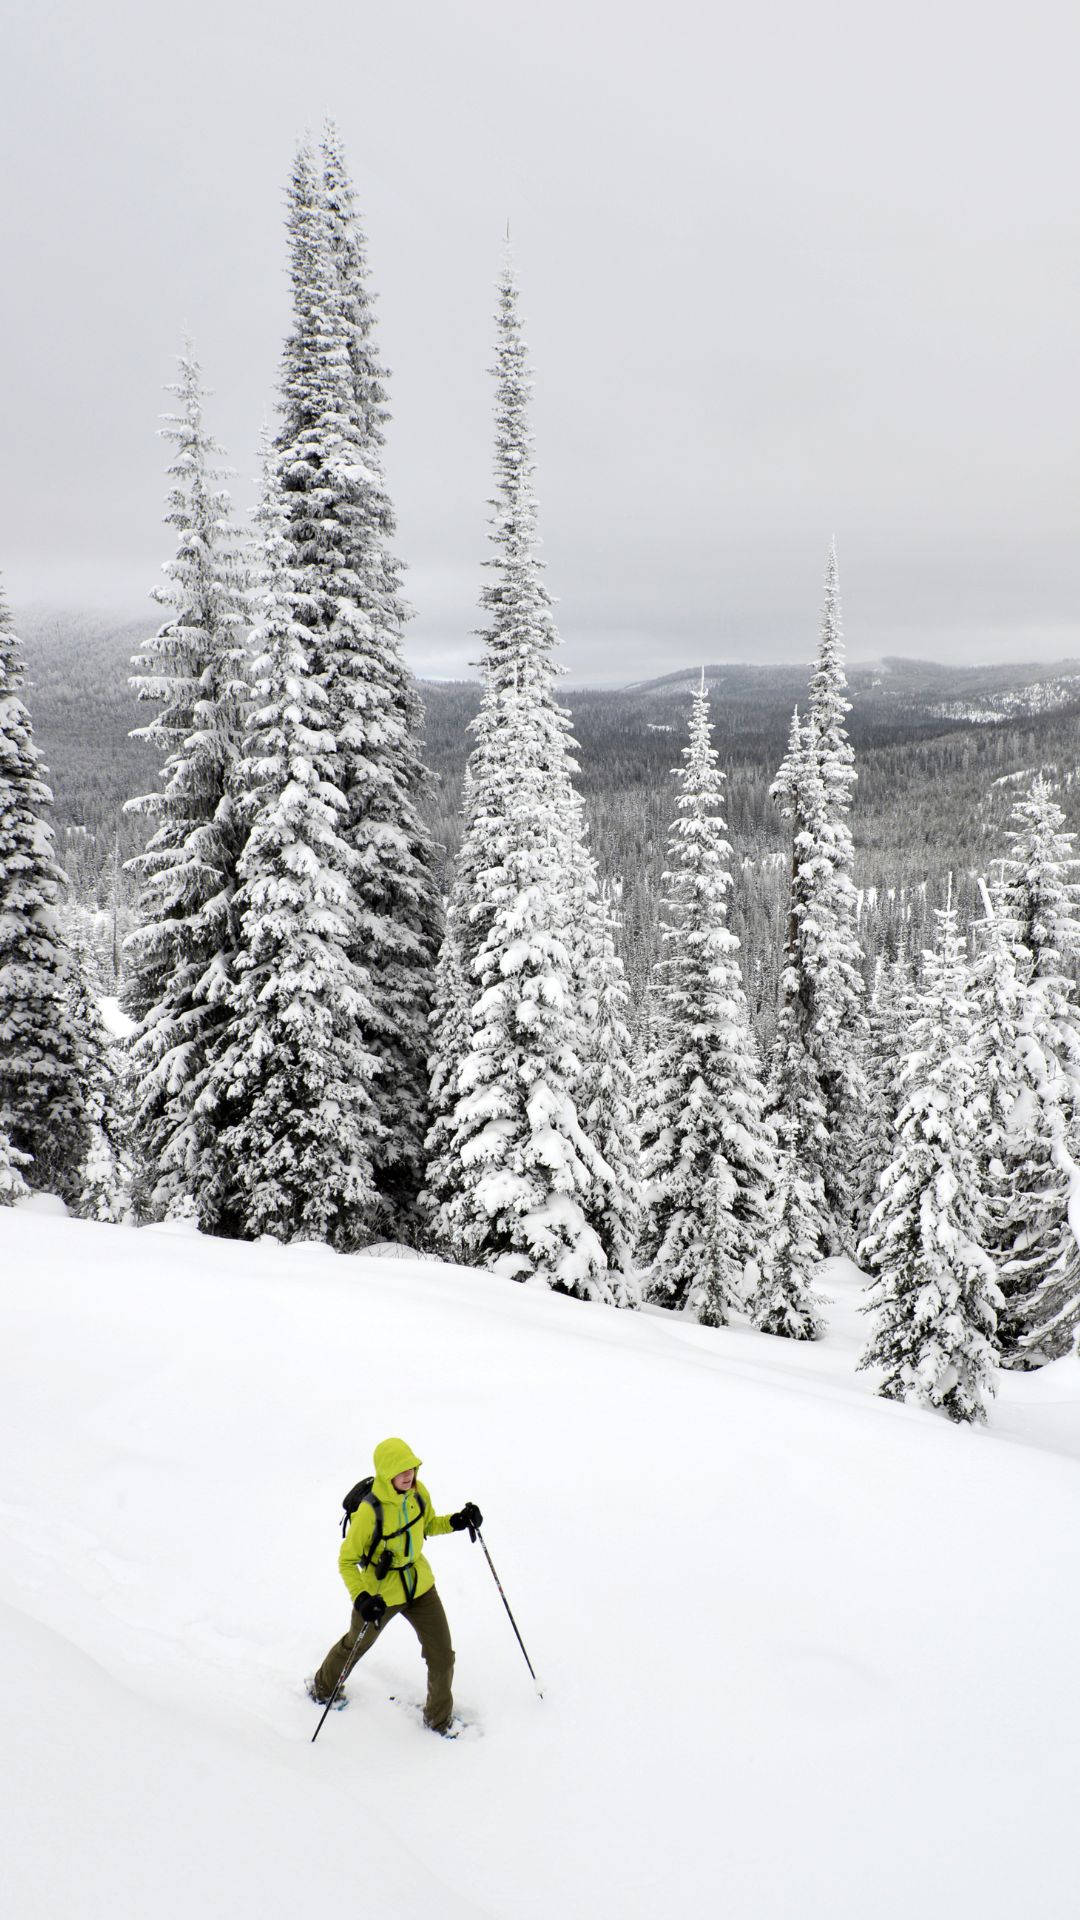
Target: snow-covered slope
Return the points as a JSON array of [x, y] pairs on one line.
[[804, 1653]]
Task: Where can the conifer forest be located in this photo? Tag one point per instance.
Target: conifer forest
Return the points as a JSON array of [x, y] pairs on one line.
[[653, 995]]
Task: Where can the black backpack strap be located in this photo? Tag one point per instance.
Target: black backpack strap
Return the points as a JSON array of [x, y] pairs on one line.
[[372, 1500], [378, 1537]]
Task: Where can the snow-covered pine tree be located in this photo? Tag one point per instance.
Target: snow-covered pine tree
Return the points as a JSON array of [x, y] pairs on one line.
[[339, 528], [783, 1302], [934, 1297], [180, 952], [834, 988], [293, 1084], [40, 1088], [514, 1180], [103, 1195], [709, 1162]]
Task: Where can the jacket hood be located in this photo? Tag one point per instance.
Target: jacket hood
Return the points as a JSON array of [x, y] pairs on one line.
[[391, 1457]]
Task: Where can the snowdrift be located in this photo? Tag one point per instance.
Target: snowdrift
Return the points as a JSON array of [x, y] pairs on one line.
[[804, 1653]]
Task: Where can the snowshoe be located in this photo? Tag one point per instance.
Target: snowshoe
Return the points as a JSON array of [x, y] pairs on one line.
[[340, 1699], [460, 1722], [457, 1726]]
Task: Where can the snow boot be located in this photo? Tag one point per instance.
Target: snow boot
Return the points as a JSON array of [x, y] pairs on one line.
[[458, 1723], [339, 1701]]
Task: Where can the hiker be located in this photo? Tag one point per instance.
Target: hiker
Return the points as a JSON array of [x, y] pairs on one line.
[[386, 1573]]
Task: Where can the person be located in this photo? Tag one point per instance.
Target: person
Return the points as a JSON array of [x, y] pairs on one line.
[[386, 1573]]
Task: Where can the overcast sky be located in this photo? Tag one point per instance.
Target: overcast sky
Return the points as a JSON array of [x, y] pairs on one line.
[[787, 270]]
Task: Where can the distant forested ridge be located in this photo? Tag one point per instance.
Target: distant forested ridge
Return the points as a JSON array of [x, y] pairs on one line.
[[939, 751]]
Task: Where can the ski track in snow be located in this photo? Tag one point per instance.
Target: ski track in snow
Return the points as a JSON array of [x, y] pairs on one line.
[[804, 1653]]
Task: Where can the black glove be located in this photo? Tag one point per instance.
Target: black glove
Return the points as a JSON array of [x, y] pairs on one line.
[[470, 1516], [370, 1607]]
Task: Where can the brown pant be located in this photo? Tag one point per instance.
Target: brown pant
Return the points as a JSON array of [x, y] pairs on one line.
[[428, 1621]]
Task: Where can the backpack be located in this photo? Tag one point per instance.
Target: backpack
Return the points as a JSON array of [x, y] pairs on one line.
[[363, 1494]]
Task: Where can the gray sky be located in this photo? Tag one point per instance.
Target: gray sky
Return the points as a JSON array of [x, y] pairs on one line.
[[788, 269]]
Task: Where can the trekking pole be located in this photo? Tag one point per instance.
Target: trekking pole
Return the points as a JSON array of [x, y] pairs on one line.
[[477, 1535], [359, 1646]]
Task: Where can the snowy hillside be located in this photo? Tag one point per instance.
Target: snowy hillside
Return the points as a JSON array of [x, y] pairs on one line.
[[804, 1653]]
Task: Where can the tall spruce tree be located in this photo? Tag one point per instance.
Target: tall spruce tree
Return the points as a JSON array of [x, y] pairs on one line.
[[514, 1180], [709, 1156], [42, 1111], [841, 991], [934, 1297], [824, 956], [346, 598], [180, 953]]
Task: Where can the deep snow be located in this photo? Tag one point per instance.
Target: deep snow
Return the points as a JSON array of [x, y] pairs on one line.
[[804, 1653]]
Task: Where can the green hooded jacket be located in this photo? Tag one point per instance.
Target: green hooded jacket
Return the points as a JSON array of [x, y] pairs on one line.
[[406, 1520]]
